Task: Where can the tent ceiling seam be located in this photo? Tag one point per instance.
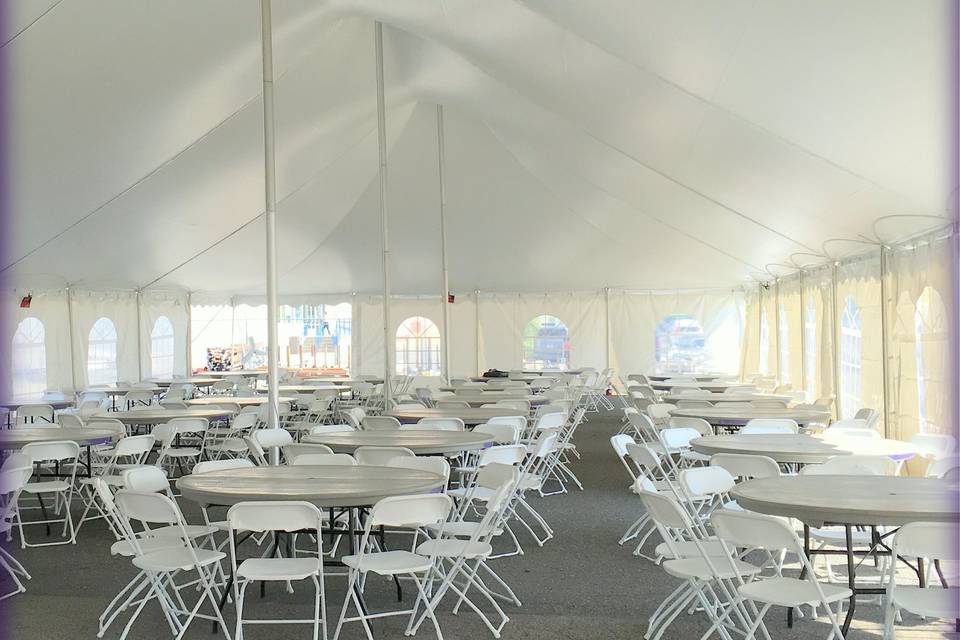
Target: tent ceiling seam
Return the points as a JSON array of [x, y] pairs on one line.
[[33, 22], [631, 207]]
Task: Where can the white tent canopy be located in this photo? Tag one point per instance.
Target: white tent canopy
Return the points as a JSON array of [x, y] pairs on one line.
[[623, 144]]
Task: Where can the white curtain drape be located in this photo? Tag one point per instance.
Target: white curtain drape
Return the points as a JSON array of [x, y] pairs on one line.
[[121, 309], [50, 308], [173, 305]]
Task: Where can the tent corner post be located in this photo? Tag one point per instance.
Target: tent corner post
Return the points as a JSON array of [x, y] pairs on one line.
[[384, 219]]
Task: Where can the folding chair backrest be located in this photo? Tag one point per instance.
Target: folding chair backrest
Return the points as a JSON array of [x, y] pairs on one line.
[[145, 479], [664, 510], [519, 405], [754, 530], [660, 410], [380, 423], [619, 443], [934, 444], [54, 451], [379, 456], [770, 426], [509, 454], [189, 425], [292, 451], [501, 433], [33, 413], [274, 516], [270, 438], [410, 511], [134, 446], [746, 466], [678, 438], [702, 426], [151, 508], [430, 464], [222, 465], [323, 459], [706, 481], [321, 429], [441, 424], [70, 421], [244, 420], [928, 540]]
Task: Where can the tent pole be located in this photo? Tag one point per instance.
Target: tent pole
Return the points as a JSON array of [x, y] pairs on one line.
[[384, 223], [73, 355], [477, 318], [777, 327], [269, 162], [189, 333], [888, 426], [139, 335], [803, 340], [837, 337], [444, 300], [606, 313]]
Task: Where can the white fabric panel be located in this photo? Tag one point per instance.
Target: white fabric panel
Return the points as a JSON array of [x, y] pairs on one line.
[[174, 306], [50, 307], [634, 318], [463, 336], [121, 309]]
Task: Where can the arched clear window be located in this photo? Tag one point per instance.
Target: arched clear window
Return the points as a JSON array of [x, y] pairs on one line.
[[850, 357], [930, 324], [680, 343], [810, 347], [418, 347], [161, 348], [29, 358], [784, 343], [546, 344], [102, 353], [764, 343]]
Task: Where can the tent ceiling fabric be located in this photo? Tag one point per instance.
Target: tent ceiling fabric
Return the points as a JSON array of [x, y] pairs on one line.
[[611, 143]]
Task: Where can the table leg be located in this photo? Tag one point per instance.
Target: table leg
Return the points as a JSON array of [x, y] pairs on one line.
[[851, 579]]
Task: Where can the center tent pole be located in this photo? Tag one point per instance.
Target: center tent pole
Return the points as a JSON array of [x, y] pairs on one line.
[[270, 183], [384, 223], [444, 297]]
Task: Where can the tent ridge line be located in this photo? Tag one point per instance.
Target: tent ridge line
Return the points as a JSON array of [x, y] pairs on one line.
[[33, 22]]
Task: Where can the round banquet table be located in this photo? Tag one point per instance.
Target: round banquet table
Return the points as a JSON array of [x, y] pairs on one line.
[[469, 416], [723, 417], [850, 501], [348, 382], [699, 377], [195, 381], [243, 401], [718, 387], [302, 388], [233, 374], [17, 437], [527, 379], [56, 403], [158, 416], [323, 486], [426, 442], [489, 397], [740, 396], [802, 449]]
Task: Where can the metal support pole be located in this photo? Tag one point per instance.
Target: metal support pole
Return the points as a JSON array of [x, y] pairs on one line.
[[139, 335], [269, 165], [476, 293], [606, 312], [762, 367], [189, 334], [384, 222], [445, 335], [890, 430], [73, 354], [803, 341], [776, 329], [837, 337]]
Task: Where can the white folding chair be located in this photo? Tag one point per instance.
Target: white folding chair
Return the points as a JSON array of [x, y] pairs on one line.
[[770, 426], [63, 455], [14, 475], [408, 512], [379, 456], [380, 423], [276, 517], [323, 459]]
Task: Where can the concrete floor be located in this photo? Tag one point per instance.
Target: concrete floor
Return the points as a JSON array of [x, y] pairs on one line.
[[580, 585]]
